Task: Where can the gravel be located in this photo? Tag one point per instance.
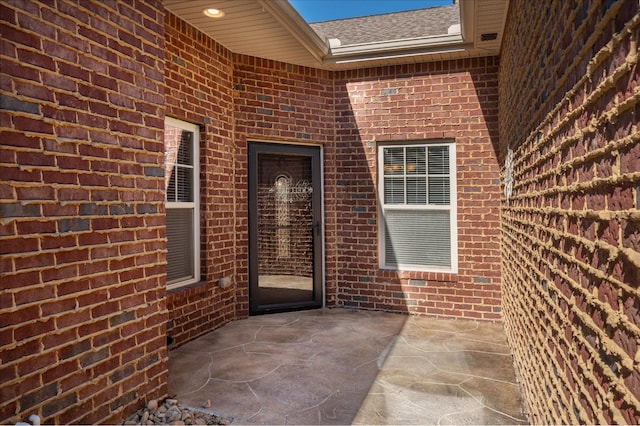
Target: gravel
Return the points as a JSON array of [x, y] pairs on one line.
[[170, 412]]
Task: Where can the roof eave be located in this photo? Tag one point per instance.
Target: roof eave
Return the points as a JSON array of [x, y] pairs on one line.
[[423, 46], [327, 54], [467, 16], [289, 18], [396, 48]]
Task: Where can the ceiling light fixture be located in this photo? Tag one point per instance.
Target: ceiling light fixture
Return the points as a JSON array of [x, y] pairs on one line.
[[213, 13]]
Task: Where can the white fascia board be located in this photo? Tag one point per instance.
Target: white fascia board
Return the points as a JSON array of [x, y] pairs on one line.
[[397, 48], [467, 19], [445, 43], [334, 53], [421, 43], [289, 18]]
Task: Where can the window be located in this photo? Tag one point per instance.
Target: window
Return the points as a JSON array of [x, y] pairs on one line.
[[417, 192], [182, 193]]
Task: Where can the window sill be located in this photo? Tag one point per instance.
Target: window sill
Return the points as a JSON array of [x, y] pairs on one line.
[[418, 275], [185, 287]]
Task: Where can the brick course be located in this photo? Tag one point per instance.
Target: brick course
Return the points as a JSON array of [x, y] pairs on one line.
[[570, 232], [451, 100], [346, 113], [277, 102], [84, 92], [83, 310], [199, 74]]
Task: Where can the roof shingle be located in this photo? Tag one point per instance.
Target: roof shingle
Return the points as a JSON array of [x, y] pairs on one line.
[[390, 26]]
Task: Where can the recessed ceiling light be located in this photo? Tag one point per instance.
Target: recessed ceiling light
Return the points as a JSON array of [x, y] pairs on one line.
[[213, 13]]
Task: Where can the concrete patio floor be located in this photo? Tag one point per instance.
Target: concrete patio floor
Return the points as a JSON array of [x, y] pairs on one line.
[[339, 366]]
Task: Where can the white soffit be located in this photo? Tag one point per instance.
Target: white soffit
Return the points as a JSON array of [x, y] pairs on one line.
[[272, 29], [254, 27]]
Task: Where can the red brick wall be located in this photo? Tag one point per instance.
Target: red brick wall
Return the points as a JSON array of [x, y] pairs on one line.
[[571, 231], [199, 90], [83, 313], [282, 102], [276, 102], [456, 100]]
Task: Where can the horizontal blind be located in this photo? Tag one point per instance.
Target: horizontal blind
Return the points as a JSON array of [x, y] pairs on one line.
[[416, 181], [180, 187], [438, 166], [180, 259], [417, 237]]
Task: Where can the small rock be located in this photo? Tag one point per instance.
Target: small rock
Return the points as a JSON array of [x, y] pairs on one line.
[[171, 412]]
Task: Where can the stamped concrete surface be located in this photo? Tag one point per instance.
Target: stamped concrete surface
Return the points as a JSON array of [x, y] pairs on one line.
[[338, 366]]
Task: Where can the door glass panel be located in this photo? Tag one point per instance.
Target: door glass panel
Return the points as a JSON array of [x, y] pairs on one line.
[[285, 229]]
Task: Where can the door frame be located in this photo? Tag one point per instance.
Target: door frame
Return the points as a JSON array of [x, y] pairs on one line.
[[315, 152]]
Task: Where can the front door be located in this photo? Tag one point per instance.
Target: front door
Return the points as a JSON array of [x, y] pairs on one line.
[[285, 228]]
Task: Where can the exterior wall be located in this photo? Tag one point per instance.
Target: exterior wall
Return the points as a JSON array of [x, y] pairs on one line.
[[83, 313], [571, 231], [82, 238], [199, 90], [458, 100], [286, 103], [278, 102]]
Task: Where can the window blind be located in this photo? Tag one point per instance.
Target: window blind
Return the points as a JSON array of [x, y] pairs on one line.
[[182, 209], [417, 237], [180, 188], [416, 206], [179, 244]]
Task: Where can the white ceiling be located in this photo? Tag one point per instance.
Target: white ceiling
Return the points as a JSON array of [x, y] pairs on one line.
[[272, 29]]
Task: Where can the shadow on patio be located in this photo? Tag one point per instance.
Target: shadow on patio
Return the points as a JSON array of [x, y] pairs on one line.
[[342, 366]]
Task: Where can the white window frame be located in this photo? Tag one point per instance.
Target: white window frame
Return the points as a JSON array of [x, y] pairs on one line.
[[194, 205], [452, 208]]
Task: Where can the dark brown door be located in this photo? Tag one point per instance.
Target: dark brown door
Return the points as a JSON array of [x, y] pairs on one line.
[[285, 228]]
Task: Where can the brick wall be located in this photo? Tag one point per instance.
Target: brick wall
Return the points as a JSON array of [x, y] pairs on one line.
[[453, 100], [199, 90], [82, 321], [277, 102], [283, 102], [571, 230]]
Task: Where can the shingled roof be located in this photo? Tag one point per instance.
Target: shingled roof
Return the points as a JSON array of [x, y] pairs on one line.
[[390, 26]]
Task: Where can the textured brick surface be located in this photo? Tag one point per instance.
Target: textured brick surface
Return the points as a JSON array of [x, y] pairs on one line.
[[83, 314], [276, 102], [84, 323], [199, 75], [456, 100], [348, 113], [571, 260], [282, 102]]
